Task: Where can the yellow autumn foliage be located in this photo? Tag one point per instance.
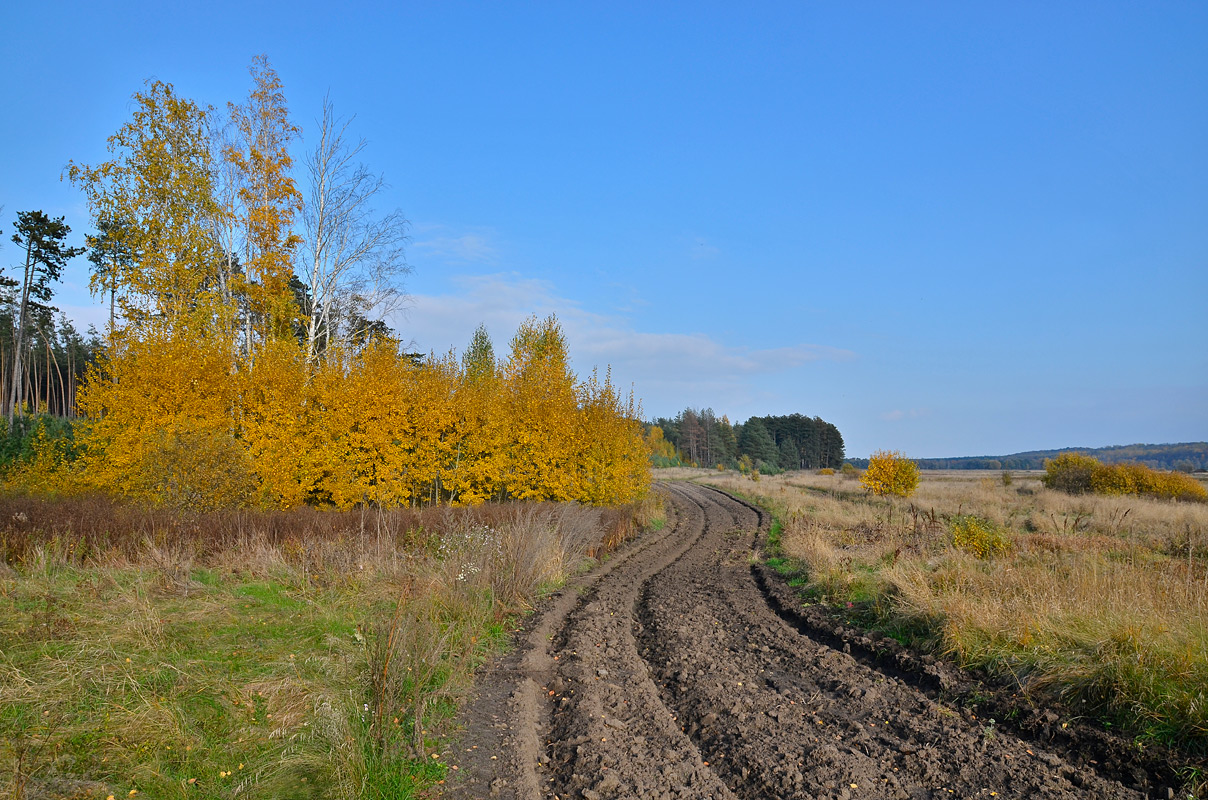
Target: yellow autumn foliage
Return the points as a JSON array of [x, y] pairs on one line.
[[205, 398], [181, 417], [152, 404], [1077, 473], [890, 473]]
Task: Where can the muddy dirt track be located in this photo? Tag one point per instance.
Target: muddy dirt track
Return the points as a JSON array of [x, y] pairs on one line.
[[680, 669]]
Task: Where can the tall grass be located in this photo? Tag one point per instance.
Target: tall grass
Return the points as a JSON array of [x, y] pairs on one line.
[[284, 654], [1101, 600]]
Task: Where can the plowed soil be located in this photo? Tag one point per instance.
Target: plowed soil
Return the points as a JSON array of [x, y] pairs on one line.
[[681, 669]]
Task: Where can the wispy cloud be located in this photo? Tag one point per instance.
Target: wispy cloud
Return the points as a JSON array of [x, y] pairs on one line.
[[442, 243], [668, 370]]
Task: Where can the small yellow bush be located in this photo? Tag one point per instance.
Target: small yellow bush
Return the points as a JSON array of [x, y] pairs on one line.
[[978, 536], [890, 473], [1070, 472], [826, 471], [1180, 486]]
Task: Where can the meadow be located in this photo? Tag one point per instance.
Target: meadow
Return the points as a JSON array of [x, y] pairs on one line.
[[1098, 601], [285, 654]]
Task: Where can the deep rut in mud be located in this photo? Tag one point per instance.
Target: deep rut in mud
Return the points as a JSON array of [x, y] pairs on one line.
[[678, 669]]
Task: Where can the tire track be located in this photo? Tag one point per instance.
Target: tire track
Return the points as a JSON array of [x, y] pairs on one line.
[[680, 669], [782, 715]]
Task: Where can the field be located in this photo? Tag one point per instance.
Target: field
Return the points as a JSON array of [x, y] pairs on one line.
[[291, 654], [1099, 601], [808, 640], [687, 668]]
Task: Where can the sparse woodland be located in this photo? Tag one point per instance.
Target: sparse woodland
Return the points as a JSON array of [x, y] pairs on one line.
[[245, 362], [245, 547]]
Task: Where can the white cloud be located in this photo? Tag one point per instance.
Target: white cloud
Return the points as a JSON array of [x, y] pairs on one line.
[[668, 370]]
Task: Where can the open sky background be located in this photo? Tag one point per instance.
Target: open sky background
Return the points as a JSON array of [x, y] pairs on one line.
[[949, 228]]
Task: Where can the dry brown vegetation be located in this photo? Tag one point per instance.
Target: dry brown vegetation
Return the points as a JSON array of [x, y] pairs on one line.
[[1102, 600], [285, 654]]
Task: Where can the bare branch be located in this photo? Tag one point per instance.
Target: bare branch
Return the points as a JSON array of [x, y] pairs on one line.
[[353, 258]]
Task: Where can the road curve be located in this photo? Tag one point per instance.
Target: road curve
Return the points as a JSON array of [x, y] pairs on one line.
[[680, 669]]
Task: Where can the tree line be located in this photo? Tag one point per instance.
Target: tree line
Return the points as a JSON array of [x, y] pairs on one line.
[[246, 361], [769, 444], [43, 357], [1183, 457]]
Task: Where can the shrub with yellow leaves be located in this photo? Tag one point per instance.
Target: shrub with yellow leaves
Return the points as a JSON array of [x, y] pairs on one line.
[[1076, 473], [890, 473], [186, 419], [980, 537]]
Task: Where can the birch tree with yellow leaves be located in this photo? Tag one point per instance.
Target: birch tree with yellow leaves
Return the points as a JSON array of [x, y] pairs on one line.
[[265, 199], [217, 388], [541, 408], [159, 185]]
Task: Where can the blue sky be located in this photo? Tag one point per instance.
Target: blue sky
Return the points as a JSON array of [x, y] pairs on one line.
[[949, 228]]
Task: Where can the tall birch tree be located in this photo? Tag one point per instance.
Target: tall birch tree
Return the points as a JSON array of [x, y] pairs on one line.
[[160, 184], [267, 200], [352, 255]]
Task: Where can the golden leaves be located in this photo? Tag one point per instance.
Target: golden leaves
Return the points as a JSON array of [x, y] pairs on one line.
[[890, 473], [180, 417]]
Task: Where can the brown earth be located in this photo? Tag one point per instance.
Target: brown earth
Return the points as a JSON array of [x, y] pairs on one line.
[[680, 668]]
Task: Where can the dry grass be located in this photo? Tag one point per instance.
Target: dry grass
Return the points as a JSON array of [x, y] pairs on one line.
[[285, 654], [1103, 600]]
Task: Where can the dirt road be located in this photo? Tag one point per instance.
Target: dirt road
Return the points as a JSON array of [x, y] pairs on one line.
[[680, 669]]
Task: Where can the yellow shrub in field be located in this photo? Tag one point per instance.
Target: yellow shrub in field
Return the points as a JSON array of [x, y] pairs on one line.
[[890, 473], [1070, 472], [1139, 479], [1179, 486], [979, 537], [1076, 473]]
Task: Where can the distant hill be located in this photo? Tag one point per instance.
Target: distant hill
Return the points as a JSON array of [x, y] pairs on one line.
[[1187, 456]]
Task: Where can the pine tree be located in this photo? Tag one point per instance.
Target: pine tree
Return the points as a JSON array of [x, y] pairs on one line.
[[43, 240]]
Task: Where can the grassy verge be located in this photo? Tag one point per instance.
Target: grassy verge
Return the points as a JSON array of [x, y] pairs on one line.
[[1101, 601], [274, 655]]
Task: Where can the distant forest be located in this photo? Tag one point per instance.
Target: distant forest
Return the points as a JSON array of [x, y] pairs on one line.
[[768, 444], [1186, 457]]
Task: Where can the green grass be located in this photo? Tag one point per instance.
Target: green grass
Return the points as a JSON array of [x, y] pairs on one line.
[[206, 668], [144, 690], [238, 688]]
